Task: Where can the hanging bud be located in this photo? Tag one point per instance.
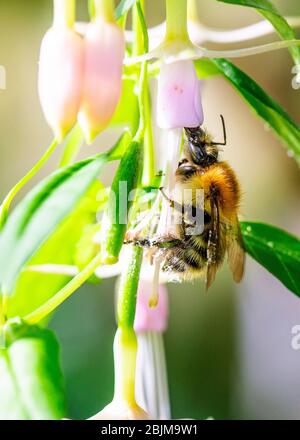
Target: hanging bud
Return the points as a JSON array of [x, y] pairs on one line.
[[61, 72], [104, 53], [179, 98]]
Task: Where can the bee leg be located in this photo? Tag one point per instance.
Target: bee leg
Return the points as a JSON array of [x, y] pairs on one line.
[[160, 242], [173, 204]]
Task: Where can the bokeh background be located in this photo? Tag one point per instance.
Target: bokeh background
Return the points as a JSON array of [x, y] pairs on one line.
[[228, 352]]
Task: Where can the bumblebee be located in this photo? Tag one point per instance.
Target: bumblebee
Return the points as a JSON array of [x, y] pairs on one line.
[[190, 255]]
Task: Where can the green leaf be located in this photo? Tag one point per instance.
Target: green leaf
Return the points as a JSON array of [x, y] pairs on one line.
[[43, 210], [263, 105], [123, 7], [72, 146], [42, 286], [205, 68], [31, 381], [268, 10], [276, 250]]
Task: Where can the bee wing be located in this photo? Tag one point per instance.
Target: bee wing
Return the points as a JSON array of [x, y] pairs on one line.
[[235, 252], [213, 244]]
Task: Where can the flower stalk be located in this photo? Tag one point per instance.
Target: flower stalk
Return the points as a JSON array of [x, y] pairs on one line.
[[176, 20], [104, 9], [64, 13], [4, 208], [125, 344], [50, 305]]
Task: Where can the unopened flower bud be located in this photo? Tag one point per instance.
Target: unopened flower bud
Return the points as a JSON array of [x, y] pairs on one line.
[[179, 99], [104, 53], [60, 78]]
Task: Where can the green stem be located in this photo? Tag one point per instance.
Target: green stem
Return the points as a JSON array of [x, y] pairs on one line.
[[149, 163], [138, 25], [14, 191], [104, 9], [125, 353], [64, 13], [125, 345], [141, 34], [176, 20], [140, 46], [48, 307], [128, 289], [143, 89]]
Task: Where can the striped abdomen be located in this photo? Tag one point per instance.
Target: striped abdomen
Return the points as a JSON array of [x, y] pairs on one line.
[[189, 260]]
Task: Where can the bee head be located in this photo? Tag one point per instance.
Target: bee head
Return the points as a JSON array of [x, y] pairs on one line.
[[200, 148]]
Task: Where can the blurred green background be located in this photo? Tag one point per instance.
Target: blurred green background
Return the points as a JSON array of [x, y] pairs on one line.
[[228, 352]]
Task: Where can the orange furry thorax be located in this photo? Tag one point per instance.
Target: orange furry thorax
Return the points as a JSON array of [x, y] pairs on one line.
[[221, 179]]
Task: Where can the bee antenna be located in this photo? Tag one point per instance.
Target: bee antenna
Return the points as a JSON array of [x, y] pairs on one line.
[[224, 134]]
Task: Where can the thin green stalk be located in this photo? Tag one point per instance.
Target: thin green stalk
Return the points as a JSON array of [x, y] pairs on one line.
[[14, 191], [125, 345], [149, 163], [64, 13], [141, 45], [104, 9], [143, 89], [48, 307], [141, 42], [128, 289], [141, 34], [176, 20]]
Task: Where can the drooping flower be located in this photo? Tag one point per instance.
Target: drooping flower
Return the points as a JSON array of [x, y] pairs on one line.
[[179, 98], [60, 77], [151, 373], [103, 60]]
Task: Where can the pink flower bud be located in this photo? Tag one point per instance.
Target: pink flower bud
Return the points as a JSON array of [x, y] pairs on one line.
[[179, 99], [104, 53], [148, 318], [60, 78]]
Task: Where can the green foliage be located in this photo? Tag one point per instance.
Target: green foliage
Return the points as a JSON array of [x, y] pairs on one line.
[[34, 288], [31, 382], [276, 250], [266, 8], [262, 104], [43, 210]]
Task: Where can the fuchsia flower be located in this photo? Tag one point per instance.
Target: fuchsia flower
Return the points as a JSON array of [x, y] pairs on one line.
[[104, 52], [60, 78], [154, 319], [179, 99]]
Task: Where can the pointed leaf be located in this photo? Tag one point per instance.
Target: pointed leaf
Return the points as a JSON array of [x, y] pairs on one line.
[[276, 250]]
